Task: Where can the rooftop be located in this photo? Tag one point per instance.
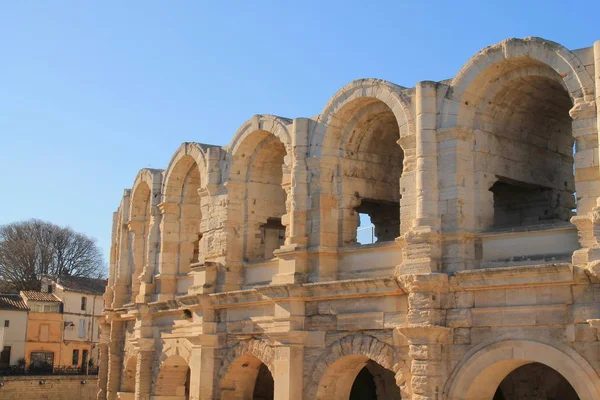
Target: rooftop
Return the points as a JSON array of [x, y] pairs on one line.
[[12, 302], [82, 285], [39, 296]]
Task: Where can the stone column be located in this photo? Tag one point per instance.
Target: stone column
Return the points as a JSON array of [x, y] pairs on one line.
[[143, 372], [136, 230], [103, 365], [122, 282], [425, 333], [147, 287], [115, 358], [202, 368], [169, 251], [293, 261], [422, 253], [288, 368]]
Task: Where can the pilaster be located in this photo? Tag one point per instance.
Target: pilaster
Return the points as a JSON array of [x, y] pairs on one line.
[[115, 358], [425, 333], [422, 253]]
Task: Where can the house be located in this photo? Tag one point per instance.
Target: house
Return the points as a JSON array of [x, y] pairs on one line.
[[82, 305], [13, 327], [43, 339]]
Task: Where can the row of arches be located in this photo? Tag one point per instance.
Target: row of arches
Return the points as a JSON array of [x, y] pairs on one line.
[[508, 128], [506, 370]]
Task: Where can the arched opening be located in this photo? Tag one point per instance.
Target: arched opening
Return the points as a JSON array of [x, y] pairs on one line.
[[482, 373], [371, 164], [523, 147], [535, 381], [262, 155], [248, 378], [128, 376], [356, 377], [180, 225], [139, 227], [173, 379]]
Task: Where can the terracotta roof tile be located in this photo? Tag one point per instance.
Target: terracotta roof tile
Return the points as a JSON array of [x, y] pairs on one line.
[[39, 296], [12, 302]]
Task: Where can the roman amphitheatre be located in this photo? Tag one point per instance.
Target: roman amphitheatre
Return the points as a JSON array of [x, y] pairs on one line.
[[237, 272]]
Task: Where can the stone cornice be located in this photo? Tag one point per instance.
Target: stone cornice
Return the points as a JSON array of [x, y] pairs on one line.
[[531, 275]]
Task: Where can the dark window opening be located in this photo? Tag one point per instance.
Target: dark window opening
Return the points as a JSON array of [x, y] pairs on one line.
[[83, 303], [42, 361], [6, 323], [84, 358], [521, 204], [5, 356], [385, 219], [75, 360], [272, 237]]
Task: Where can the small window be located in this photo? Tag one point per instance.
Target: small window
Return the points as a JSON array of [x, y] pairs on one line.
[[83, 303], [6, 323], [82, 328], [75, 360], [50, 289]]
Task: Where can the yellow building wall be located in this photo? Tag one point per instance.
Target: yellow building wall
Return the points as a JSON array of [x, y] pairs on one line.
[[44, 333]]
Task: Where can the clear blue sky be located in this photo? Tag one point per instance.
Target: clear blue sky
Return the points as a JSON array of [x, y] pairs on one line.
[[90, 92]]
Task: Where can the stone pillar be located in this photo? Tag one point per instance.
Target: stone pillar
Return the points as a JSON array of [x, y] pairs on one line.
[[293, 260], [169, 251], [143, 372], [422, 252], [122, 282], [147, 287], [425, 333], [288, 368], [136, 230], [202, 370], [324, 216], [115, 358], [586, 130], [103, 365]]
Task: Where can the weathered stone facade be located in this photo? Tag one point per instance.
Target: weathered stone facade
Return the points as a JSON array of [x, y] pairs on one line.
[[236, 272]]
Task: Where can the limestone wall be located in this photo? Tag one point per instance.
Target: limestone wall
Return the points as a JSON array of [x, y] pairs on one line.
[[483, 193], [53, 387]]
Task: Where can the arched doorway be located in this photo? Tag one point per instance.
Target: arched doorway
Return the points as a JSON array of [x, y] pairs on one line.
[[173, 379], [247, 378], [481, 372], [535, 381], [356, 377]]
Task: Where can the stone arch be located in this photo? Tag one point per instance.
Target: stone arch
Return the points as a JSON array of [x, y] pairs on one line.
[[388, 93], [480, 371], [181, 217], [335, 370], [242, 366], [188, 149], [129, 372], [510, 100], [259, 167], [478, 69], [182, 350], [145, 196], [278, 126], [364, 141], [173, 377]]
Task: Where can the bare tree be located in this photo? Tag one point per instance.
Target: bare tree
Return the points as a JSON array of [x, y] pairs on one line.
[[31, 249]]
